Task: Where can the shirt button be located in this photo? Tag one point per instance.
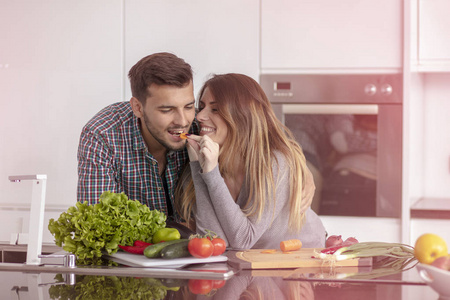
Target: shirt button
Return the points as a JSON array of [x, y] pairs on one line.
[[159, 189], [154, 162]]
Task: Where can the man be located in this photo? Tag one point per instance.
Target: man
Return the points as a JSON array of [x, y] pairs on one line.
[[134, 147]]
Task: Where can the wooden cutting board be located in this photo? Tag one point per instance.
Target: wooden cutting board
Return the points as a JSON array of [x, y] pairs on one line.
[[256, 259]]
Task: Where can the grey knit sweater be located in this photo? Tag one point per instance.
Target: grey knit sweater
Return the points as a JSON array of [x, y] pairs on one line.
[[216, 210]]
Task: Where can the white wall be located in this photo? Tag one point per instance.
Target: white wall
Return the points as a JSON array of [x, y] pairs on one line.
[[61, 61], [62, 67], [212, 36]]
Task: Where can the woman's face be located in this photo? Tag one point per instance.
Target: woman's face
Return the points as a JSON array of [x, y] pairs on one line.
[[211, 123]]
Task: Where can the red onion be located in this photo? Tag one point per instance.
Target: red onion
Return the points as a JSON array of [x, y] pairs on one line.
[[351, 240], [333, 240]]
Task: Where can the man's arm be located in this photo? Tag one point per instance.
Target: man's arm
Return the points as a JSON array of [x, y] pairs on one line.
[[97, 171]]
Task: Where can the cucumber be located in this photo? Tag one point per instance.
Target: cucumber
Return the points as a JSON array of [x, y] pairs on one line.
[[177, 250], [154, 250]]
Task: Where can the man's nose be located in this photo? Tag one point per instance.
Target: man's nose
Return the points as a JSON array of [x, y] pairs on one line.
[[184, 118]]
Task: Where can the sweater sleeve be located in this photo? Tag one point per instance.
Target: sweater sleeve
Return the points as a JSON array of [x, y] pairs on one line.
[[243, 231], [205, 216]]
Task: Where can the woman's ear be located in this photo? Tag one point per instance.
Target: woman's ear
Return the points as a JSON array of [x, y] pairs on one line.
[[137, 107]]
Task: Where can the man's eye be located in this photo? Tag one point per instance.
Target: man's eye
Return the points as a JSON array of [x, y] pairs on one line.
[[165, 111]]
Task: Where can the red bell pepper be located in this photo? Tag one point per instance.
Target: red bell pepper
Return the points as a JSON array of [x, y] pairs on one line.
[[139, 243], [133, 249]]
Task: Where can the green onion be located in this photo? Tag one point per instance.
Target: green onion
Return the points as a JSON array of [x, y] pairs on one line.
[[370, 249], [387, 266]]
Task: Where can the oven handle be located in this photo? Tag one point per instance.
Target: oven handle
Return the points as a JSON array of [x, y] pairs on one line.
[[331, 109]]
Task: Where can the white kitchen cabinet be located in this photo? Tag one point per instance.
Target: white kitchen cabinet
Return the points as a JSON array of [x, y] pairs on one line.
[[212, 36], [436, 226], [433, 36], [426, 113], [325, 36]]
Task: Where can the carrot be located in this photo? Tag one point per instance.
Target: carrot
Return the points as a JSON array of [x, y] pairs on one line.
[[183, 135], [290, 245]]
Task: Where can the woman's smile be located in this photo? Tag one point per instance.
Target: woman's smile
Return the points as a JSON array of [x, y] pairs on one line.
[[206, 130]]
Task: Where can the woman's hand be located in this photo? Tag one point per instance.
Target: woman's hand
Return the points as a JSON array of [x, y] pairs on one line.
[[193, 148], [205, 150]]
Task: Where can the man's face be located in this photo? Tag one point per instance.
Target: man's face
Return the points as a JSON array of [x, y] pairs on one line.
[[168, 112]]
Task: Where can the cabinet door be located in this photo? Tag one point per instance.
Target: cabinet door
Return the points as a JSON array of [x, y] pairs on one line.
[[331, 34], [212, 36], [434, 32]]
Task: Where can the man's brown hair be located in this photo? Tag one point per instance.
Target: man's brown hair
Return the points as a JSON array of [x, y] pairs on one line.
[[161, 69]]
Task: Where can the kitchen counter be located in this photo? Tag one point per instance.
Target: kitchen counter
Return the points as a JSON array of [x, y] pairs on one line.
[[431, 208], [18, 253], [20, 281]]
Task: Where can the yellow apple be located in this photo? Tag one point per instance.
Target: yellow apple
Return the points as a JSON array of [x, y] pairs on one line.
[[428, 247]]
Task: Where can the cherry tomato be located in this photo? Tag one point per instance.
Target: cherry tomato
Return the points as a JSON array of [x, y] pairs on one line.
[[219, 246], [217, 284], [200, 247], [200, 286]]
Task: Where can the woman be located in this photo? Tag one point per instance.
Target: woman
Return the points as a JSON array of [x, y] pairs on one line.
[[252, 186]]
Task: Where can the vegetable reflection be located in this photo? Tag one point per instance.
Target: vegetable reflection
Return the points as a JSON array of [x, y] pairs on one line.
[[261, 288], [109, 287]]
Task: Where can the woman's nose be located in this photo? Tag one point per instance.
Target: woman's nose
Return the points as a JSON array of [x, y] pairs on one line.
[[202, 115]]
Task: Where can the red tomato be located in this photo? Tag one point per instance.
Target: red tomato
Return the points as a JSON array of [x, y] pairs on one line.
[[219, 246], [217, 284], [200, 247], [200, 286]]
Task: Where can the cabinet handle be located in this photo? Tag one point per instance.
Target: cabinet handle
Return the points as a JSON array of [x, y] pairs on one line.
[[332, 109]]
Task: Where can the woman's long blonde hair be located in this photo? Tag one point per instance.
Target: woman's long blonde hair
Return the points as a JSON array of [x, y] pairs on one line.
[[254, 135]]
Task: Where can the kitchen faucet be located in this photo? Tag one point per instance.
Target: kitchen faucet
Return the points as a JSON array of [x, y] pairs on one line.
[[36, 226]]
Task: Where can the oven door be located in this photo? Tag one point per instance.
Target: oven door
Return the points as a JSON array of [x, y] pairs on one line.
[[354, 152]]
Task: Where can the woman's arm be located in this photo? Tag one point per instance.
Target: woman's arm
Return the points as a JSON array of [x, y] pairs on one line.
[[205, 216], [242, 231]]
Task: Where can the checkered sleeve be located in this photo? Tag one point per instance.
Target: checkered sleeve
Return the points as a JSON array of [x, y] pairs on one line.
[[96, 168]]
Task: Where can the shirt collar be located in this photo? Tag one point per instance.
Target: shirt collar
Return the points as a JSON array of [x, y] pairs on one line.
[[138, 140]]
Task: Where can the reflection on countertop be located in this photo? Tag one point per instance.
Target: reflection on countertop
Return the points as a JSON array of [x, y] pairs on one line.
[[212, 281]]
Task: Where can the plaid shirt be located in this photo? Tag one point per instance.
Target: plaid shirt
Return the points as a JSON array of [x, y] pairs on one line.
[[112, 156]]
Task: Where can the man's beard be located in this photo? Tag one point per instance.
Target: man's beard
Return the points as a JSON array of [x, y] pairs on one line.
[[160, 139]]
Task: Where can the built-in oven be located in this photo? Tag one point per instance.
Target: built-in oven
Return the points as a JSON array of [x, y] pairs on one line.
[[350, 129]]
